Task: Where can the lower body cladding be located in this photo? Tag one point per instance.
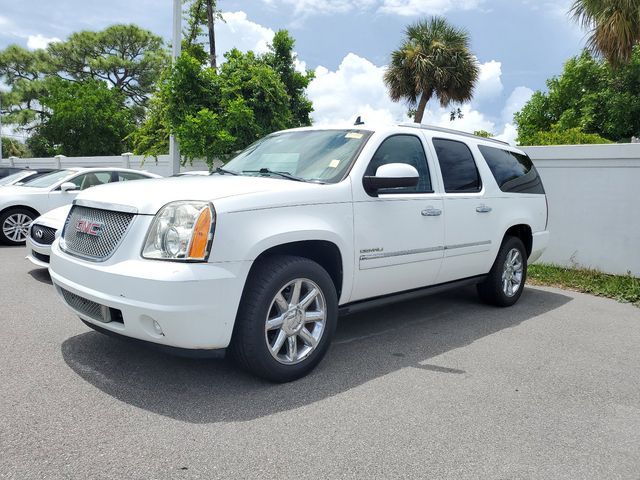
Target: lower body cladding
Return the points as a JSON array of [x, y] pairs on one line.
[[183, 305]]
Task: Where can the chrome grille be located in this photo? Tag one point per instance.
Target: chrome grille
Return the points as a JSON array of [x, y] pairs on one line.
[[84, 306], [105, 238], [42, 235]]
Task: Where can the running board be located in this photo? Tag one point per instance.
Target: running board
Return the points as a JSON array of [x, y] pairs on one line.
[[369, 303]]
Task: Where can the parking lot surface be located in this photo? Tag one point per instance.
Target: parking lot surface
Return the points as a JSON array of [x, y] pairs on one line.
[[442, 387]]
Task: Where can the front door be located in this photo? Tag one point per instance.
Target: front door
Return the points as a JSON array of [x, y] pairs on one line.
[[399, 234]]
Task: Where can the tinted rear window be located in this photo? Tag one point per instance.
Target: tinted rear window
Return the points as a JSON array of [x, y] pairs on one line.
[[514, 172], [459, 171]]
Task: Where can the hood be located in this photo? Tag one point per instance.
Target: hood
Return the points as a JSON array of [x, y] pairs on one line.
[[148, 196], [54, 218]]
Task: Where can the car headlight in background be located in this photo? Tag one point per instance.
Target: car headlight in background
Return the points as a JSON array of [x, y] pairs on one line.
[[181, 231]]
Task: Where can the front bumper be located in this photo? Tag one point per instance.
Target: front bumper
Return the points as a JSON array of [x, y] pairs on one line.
[[38, 254], [194, 304]]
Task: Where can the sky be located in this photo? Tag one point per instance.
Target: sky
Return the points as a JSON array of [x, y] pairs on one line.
[[519, 45]]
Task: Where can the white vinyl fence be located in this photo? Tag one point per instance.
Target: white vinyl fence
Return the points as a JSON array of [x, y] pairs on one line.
[[160, 165], [594, 205], [593, 193]]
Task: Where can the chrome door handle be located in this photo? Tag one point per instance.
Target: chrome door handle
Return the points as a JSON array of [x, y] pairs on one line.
[[431, 212], [483, 209]]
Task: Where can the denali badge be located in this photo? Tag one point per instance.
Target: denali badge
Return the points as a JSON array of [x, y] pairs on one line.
[[90, 228]]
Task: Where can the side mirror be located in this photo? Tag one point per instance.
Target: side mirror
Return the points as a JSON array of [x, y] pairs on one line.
[[391, 175], [68, 186]]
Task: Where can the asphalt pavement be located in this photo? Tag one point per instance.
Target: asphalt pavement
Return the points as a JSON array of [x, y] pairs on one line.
[[441, 387]]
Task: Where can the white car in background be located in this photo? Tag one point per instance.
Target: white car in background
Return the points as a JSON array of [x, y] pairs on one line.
[[44, 230], [20, 205], [23, 176]]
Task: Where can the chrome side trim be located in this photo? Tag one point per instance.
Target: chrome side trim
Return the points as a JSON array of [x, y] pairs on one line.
[[116, 207], [401, 253], [465, 245], [375, 256]]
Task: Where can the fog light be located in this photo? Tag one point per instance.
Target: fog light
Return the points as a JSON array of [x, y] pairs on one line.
[[157, 328]]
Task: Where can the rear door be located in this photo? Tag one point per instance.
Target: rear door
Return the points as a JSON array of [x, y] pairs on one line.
[[470, 222]]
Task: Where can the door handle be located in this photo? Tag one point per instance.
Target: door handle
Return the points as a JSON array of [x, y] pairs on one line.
[[483, 209], [431, 212]]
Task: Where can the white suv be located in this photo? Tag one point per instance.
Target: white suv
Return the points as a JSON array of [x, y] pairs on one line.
[[263, 255]]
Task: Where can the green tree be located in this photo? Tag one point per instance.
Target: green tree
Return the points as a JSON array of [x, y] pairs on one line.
[[200, 13], [572, 136], [23, 72], [82, 119], [434, 60], [613, 26], [127, 57], [590, 96], [14, 148], [282, 58], [483, 134]]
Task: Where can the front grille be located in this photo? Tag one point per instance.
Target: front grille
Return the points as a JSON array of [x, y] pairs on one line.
[[94, 233], [90, 308], [42, 235]]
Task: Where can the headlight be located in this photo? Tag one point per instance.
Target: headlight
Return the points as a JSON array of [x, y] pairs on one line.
[[181, 231]]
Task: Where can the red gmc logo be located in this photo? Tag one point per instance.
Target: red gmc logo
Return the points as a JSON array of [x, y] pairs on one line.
[[90, 228]]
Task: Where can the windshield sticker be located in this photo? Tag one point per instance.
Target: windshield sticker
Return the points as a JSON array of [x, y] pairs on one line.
[[334, 163], [353, 135]]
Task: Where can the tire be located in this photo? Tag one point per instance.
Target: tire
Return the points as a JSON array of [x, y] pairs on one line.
[[268, 311], [14, 225], [501, 287]]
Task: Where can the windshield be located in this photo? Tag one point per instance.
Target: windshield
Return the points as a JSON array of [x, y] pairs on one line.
[[14, 177], [48, 180], [311, 155]]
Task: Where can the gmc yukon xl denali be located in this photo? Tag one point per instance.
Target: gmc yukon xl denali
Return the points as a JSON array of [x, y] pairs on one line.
[[262, 256]]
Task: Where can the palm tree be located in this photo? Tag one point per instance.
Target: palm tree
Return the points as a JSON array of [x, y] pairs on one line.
[[614, 26], [434, 59]]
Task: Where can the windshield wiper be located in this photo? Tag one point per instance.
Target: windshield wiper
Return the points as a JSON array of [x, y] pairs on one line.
[[222, 171], [266, 171]]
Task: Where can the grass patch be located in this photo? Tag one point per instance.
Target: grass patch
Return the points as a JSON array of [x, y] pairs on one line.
[[623, 288]]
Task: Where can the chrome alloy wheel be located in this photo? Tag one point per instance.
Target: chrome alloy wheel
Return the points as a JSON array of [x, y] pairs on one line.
[[16, 227], [512, 273], [296, 321]]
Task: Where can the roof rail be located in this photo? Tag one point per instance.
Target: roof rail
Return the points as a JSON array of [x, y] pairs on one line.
[[450, 130]]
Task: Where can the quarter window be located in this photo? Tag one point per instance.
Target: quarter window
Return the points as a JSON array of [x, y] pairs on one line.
[[459, 171], [514, 172], [402, 149], [125, 176]]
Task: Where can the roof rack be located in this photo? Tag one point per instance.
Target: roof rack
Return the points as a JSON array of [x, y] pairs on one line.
[[450, 130]]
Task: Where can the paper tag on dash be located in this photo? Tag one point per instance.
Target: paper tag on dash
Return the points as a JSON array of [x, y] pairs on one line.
[[353, 135], [334, 163]]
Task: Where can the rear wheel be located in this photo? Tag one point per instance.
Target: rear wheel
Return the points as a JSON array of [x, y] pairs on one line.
[[287, 317], [505, 282], [14, 225]]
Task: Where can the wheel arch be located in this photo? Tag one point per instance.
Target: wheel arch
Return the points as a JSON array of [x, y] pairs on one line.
[[324, 252], [18, 207], [524, 232]]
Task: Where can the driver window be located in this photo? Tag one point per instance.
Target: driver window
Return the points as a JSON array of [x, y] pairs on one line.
[[402, 149], [91, 179]]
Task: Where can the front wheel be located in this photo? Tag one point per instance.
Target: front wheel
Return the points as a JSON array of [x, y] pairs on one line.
[[287, 317], [505, 282], [14, 226]]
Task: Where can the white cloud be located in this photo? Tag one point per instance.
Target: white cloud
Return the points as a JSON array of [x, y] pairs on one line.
[[427, 7], [326, 7], [240, 32], [518, 98], [355, 88], [35, 42], [489, 84]]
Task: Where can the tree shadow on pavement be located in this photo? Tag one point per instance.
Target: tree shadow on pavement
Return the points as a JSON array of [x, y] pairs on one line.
[[367, 345]]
